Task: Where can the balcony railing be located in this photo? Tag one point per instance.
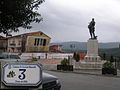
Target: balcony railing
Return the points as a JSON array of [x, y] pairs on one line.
[[12, 44]]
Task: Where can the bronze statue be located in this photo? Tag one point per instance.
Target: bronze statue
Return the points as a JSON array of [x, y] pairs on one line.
[[91, 28]]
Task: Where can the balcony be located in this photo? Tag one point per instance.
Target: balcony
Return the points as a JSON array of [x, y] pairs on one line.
[[12, 44]]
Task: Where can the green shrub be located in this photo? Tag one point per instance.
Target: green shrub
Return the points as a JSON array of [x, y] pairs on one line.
[[34, 59], [65, 62], [108, 64]]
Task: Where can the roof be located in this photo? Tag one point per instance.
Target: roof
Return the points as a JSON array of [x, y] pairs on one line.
[[29, 34], [1, 37], [55, 45]]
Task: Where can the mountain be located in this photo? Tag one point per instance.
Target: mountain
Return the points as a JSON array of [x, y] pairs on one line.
[[112, 51], [80, 46], [109, 45], [72, 46]]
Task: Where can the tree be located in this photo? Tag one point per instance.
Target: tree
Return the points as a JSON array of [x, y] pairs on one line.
[[104, 56], [111, 58], [76, 56], [18, 13]]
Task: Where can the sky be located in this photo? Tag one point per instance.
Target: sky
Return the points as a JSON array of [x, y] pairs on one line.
[[67, 20]]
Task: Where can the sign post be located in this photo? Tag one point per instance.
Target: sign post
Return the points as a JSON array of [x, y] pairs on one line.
[[22, 74]]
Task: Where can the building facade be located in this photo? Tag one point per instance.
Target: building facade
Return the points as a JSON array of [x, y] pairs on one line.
[[56, 48], [3, 44], [29, 42]]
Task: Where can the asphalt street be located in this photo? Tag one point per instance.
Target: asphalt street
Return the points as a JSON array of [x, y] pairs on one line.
[[73, 81]]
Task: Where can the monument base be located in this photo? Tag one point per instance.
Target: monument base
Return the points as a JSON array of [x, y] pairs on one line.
[[92, 60], [91, 65]]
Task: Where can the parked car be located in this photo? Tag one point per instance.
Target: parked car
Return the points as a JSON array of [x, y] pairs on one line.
[[9, 57], [49, 82]]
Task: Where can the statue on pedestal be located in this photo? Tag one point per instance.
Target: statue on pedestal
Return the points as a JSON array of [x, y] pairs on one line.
[[91, 28]]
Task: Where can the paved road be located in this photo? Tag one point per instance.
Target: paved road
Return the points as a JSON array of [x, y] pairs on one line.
[[72, 81]]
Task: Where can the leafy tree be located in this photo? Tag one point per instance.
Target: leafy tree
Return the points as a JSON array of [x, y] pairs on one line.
[[76, 56], [104, 56], [18, 13], [111, 59]]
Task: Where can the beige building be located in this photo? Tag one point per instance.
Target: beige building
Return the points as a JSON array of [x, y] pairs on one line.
[[29, 42], [3, 44]]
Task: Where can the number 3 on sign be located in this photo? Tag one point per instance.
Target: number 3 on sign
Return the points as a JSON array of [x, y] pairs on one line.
[[22, 75]]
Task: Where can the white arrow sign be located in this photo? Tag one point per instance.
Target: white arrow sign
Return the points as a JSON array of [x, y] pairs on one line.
[[22, 74]]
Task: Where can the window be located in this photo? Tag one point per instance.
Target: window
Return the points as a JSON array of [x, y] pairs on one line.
[[35, 41], [19, 42], [39, 42], [44, 42]]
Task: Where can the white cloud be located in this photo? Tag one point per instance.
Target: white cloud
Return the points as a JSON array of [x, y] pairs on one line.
[[66, 20]]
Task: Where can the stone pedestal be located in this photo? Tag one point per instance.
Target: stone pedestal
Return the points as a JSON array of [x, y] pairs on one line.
[[92, 60]]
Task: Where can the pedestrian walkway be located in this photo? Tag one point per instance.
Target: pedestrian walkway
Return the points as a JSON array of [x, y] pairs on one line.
[[90, 72], [51, 64], [50, 61]]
